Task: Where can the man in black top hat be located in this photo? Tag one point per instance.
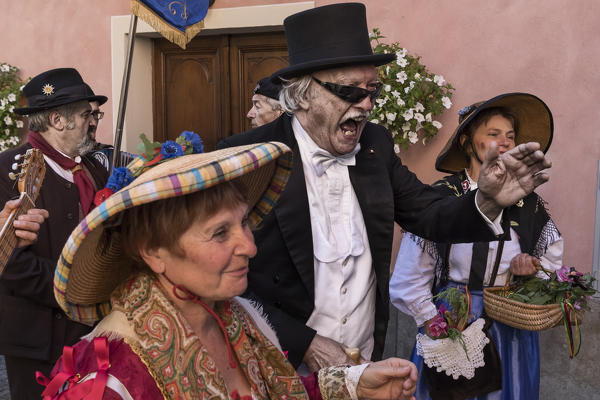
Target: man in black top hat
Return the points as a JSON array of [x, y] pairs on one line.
[[33, 328], [265, 102], [322, 267]]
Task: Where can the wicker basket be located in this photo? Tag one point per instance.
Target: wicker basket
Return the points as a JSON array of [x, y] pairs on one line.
[[519, 315]]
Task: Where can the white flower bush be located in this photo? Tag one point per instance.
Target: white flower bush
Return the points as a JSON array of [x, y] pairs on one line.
[[411, 98], [10, 123]]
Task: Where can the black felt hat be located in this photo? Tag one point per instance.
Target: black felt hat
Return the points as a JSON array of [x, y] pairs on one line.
[[268, 88], [533, 115], [325, 37], [54, 88]]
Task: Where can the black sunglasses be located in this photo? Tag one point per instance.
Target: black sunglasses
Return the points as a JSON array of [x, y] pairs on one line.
[[351, 94]]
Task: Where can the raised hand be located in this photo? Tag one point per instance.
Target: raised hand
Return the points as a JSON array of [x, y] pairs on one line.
[[393, 378], [507, 178], [324, 352]]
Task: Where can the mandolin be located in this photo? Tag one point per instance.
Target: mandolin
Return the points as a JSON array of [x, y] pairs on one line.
[[29, 181]]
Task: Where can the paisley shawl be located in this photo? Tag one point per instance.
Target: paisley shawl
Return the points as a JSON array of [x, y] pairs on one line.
[[179, 362]]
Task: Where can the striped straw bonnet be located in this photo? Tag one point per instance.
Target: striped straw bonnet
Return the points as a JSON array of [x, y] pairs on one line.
[[533, 115], [91, 265]]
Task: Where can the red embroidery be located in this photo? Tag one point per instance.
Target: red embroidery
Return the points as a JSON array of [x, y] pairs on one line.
[[466, 185]]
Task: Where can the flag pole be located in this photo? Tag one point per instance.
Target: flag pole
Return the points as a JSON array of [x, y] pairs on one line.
[[124, 90]]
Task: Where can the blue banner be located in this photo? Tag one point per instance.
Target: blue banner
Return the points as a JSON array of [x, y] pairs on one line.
[[177, 20]]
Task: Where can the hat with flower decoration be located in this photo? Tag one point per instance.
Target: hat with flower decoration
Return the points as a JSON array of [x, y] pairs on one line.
[[54, 88], [534, 118], [91, 264], [330, 36]]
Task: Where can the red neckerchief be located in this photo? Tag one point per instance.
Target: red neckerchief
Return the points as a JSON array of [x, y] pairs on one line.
[[83, 183]]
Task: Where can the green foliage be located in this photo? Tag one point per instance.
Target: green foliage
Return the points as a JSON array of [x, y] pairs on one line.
[[564, 284], [10, 92], [411, 98], [457, 300], [147, 148]]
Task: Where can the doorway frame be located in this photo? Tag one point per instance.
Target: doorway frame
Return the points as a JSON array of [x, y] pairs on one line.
[[139, 116]]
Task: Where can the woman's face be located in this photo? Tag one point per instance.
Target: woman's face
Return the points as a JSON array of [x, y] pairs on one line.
[[216, 253], [497, 129]]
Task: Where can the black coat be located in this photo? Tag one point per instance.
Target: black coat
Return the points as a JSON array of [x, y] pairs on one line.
[[282, 273], [32, 325]]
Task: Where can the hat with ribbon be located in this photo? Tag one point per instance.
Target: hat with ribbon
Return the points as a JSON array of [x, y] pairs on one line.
[[330, 36], [534, 118], [54, 88], [92, 265], [268, 88]]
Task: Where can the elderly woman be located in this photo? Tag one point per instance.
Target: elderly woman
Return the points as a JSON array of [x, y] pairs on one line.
[[161, 262], [424, 268]]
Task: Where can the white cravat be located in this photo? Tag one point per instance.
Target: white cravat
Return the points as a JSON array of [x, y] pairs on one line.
[[344, 308], [322, 159]]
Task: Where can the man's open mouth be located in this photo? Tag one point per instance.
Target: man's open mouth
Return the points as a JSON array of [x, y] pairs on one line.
[[350, 126]]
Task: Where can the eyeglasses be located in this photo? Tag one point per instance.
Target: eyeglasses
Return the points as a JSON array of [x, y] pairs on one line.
[[351, 94], [97, 115]]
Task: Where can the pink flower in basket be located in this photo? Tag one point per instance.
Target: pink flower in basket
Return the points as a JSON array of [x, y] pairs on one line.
[[562, 275], [567, 274], [438, 327]]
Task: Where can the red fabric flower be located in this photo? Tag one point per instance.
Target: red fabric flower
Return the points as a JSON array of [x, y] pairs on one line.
[[102, 195]]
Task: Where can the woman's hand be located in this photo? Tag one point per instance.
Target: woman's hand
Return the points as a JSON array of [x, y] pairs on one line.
[[524, 264], [393, 378], [426, 326]]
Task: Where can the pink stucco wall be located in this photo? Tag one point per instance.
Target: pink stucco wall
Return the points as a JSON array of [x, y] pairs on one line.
[[39, 35], [546, 48]]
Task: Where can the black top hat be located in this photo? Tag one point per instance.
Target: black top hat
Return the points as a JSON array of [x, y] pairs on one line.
[[268, 88], [328, 37], [55, 88], [533, 115]]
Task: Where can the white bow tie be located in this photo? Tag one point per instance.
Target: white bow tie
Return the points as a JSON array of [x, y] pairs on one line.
[[322, 159]]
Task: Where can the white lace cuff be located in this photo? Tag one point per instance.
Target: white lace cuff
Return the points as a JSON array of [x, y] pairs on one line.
[[449, 355], [353, 375]]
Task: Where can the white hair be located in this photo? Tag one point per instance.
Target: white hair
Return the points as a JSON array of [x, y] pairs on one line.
[[293, 92]]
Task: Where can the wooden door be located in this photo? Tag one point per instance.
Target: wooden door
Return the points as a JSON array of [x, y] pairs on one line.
[[207, 88]]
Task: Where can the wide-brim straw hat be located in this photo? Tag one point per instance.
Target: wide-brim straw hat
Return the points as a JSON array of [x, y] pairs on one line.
[[533, 115], [92, 265], [330, 36]]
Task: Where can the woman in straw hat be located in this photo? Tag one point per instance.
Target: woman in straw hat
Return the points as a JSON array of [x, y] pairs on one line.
[[161, 262], [423, 268]]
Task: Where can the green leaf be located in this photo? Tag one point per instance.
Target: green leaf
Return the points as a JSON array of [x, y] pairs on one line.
[[147, 147]]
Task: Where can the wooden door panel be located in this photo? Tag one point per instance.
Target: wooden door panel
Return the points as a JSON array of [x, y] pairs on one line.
[[252, 58], [190, 90], [207, 88], [192, 100]]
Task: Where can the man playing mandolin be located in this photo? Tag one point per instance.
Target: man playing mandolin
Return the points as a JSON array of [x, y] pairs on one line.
[[34, 329]]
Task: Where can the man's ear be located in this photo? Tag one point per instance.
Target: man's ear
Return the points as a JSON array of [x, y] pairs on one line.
[[55, 121], [305, 104], [462, 139], [155, 259]]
